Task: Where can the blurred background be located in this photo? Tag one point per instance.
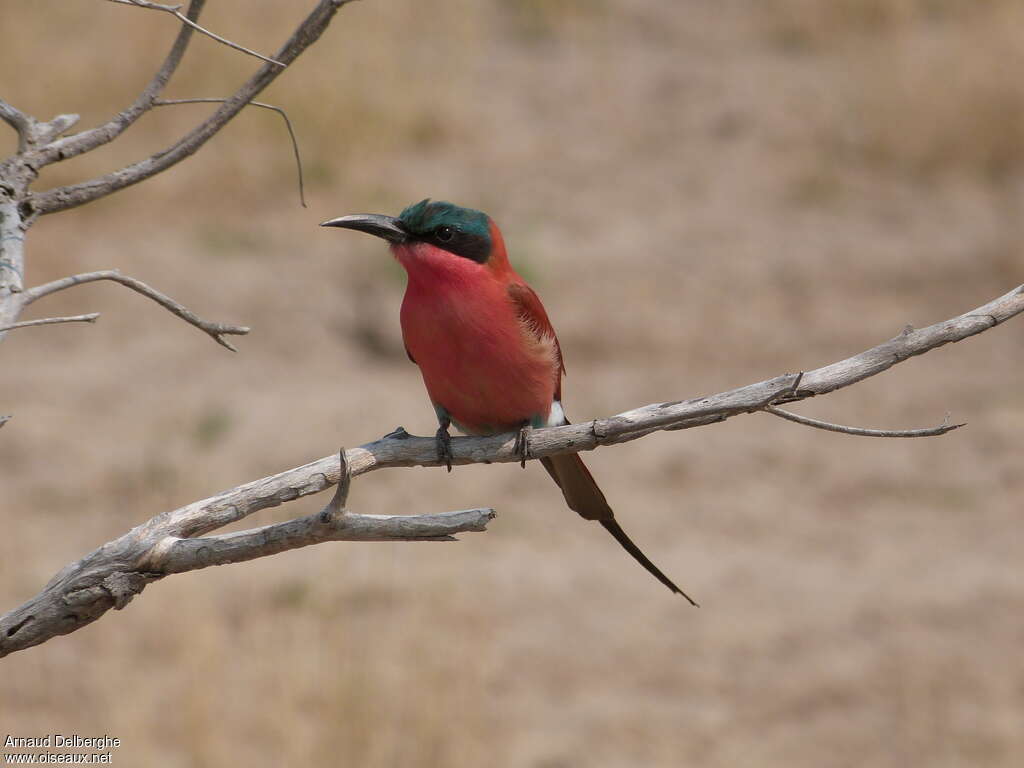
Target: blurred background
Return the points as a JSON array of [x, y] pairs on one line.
[[704, 194]]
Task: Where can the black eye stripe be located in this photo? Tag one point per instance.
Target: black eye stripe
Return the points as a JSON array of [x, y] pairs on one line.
[[454, 240]]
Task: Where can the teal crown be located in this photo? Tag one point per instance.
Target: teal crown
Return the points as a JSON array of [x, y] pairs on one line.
[[425, 217]]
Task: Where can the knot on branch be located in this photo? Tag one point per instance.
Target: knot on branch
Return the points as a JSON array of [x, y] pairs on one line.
[[119, 587], [124, 586]]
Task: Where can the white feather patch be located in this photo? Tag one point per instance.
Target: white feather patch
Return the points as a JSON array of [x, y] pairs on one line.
[[557, 416]]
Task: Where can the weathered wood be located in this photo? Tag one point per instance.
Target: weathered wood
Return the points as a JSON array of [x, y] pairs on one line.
[[175, 541], [110, 576], [41, 144], [12, 258]]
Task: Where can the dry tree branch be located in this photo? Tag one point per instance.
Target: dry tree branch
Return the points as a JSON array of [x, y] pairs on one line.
[[40, 144], [84, 141], [175, 10], [942, 429], [113, 574], [307, 33], [175, 541], [279, 110], [216, 331], [89, 318]]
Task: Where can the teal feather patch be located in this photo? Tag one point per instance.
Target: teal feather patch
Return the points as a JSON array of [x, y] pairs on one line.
[[426, 216]]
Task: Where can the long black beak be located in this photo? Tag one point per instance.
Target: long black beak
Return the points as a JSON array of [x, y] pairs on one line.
[[387, 227]]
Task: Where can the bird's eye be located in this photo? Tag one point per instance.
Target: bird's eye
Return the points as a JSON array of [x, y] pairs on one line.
[[444, 234]]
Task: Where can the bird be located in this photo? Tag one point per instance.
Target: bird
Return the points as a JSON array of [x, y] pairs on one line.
[[488, 355]]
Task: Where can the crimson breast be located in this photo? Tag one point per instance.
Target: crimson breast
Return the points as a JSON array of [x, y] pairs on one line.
[[480, 358]]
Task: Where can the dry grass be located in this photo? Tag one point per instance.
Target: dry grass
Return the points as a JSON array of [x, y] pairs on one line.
[[700, 206], [924, 87]]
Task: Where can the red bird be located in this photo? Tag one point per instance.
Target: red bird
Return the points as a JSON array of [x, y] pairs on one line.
[[488, 354]]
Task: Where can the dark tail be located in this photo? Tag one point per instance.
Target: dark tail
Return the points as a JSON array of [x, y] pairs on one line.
[[583, 496]]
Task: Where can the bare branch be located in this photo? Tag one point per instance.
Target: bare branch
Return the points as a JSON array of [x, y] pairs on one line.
[[84, 141], [179, 555], [306, 34], [829, 427], [279, 110], [40, 145], [216, 331], [19, 121], [110, 576], [175, 10], [90, 318]]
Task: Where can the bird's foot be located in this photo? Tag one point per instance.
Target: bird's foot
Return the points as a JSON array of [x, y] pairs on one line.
[[444, 446], [522, 444], [398, 433]]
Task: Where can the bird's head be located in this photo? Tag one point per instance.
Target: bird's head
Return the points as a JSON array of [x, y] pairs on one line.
[[437, 231]]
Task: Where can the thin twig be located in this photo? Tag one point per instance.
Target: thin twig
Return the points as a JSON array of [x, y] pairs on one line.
[[19, 121], [175, 10], [829, 427], [307, 33], [216, 331], [279, 110], [89, 318], [336, 506]]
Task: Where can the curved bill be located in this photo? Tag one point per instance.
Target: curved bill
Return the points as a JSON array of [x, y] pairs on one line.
[[387, 227]]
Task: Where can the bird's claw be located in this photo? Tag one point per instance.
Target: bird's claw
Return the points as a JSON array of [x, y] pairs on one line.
[[444, 447], [522, 444]]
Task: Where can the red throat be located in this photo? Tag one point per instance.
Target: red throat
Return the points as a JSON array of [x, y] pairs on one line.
[[427, 263]]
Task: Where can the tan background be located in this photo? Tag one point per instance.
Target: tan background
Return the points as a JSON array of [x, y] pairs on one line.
[[705, 194]]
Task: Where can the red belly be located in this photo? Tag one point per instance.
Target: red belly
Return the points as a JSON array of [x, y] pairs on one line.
[[477, 362]]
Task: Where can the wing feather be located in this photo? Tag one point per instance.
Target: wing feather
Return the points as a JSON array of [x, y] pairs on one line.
[[532, 313]]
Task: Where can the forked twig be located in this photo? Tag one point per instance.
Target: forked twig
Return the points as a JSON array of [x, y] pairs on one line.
[[216, 331], [175, 10], [85, 141], [305, 35]]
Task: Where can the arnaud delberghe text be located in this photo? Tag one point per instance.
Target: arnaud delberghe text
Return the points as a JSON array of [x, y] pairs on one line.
[[59, 740]]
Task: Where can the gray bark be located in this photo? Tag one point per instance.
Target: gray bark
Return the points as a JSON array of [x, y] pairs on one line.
[[176, 541]]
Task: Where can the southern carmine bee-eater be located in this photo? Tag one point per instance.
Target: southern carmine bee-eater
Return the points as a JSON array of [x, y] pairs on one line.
[[488, 354]]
